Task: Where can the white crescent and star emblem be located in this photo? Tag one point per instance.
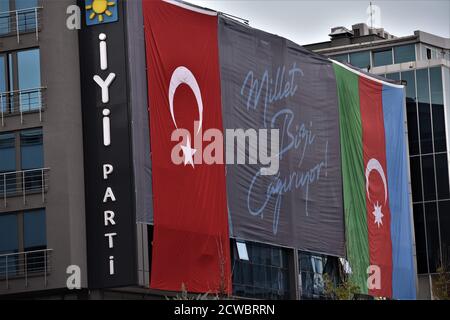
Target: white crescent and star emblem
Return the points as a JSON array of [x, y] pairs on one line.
[[183, 75], [374, 165]]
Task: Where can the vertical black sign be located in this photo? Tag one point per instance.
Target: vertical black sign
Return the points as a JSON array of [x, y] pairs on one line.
[[110, 218]]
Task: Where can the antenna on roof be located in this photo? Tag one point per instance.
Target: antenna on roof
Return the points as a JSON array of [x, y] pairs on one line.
[[371, 16]]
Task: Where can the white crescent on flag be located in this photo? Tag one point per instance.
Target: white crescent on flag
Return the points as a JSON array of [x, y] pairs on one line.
[[184, 75], [374, 164]]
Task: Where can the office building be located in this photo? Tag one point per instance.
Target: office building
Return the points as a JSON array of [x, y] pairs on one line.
[[422, 61]]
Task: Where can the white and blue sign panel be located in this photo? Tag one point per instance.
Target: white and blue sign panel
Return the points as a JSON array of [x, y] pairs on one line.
[[101, 11]]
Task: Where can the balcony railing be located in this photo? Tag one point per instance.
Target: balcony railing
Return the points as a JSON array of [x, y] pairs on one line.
[[21, 102], [20, 21], [25, 265], [24, 183]]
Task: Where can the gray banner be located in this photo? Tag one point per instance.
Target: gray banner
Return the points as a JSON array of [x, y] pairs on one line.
[[270, 82]]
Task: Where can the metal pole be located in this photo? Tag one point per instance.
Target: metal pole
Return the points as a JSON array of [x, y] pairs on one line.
[[36, 22], [7, 283], [4, 188], [43, 185], [45, 268], [26, 271], [23, 186], [20, 107], [1, 106], [17, 26], [40, 105]]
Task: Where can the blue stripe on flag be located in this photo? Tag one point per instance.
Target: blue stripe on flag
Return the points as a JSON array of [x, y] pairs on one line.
[[403, 271]]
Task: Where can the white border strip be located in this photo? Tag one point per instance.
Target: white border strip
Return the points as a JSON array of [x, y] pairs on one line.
[[192, 8], [400, 86]]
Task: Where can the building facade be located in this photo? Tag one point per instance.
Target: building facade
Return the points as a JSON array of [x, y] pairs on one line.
[[422, 61], [48, 160], [44, 232]]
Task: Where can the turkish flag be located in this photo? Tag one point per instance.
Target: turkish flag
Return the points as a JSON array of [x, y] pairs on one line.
[[191, 241]]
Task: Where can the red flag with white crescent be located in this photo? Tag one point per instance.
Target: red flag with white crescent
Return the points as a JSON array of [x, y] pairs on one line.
[[191, 241]]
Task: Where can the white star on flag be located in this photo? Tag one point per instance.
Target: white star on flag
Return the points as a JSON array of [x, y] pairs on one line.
[[378, 215], [188, 152]]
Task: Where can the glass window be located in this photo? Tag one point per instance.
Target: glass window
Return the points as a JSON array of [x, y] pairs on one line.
[[432, 236], [436, 86], [382, 58], [3, 83], [440, 141], [411, 112], [9, 242], [408, 76], [442, 176], [341, 58], [425, 128], [26, 4], [416, 179], [264, 276], [7, 163], [29, 74], [429, 189], [419, 232], [27, 18], [413, 130], [7, 152], [393, 76], [360, 59], [32, 154], [35, 240], [405, 53], [444, 221], [34, 230], [437, 101], [4, 17], [424, 111], [423, 94], [312, 269], [32, 157]]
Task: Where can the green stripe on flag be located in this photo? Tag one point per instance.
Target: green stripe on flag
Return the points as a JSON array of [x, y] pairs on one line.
[[353, 175]]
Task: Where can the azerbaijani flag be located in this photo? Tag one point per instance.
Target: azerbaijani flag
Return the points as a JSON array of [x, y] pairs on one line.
[[375, 184]]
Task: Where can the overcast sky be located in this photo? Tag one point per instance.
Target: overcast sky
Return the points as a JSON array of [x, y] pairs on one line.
[[307, 21]]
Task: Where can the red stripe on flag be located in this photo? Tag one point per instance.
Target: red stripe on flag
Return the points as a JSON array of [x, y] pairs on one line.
[[377, 194], [191, 241]]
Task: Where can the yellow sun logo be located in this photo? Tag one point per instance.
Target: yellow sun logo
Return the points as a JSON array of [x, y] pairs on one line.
[[99, 8]]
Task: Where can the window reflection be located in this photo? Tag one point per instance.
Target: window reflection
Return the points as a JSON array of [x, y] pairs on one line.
[[419, 233], [442, 179], [32, 157], [7, 163], [405, 53], [416, 180], [34, 229], [312, 269], [360, 59], [429, 190], [423, 97], [264, 276], [382, 58], [444, 221], [29, 74], [341, 58], [393, 76], [432, 236], [9, 243]]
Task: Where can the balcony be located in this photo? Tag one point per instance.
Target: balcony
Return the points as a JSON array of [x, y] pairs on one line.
[[25, 265], [24, 184], [21, 102], [19, 22]]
